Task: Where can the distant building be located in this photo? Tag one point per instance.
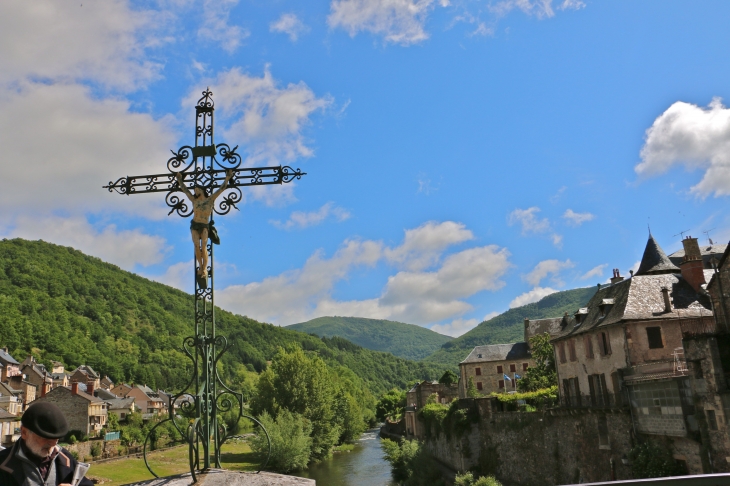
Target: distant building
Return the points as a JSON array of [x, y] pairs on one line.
[[418, 396], [147, 399], [121, 407], [36, 374], [121, 389], [86, 374], [9, 428], [494, 368], [10, 367], [106, 383]]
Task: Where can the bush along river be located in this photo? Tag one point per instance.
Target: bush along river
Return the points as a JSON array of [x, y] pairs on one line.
[[363, 466]]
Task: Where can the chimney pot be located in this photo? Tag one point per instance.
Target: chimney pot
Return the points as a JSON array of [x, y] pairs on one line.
[[90, 388], [616, 276], [75, 388], [692, 267]]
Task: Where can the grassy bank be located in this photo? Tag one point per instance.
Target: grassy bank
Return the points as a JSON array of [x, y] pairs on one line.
[[235, 456]]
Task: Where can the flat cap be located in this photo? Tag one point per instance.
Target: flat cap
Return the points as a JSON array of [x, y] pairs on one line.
[[46, 420]]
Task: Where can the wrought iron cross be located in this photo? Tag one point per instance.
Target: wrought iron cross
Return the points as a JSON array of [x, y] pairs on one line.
[[204, 165]]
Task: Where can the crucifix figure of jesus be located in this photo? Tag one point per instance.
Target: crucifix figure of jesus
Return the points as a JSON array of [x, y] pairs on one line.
[[201, 226]]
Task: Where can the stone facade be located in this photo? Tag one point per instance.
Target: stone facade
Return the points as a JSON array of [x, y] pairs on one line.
[[487, 366], [82, 411]]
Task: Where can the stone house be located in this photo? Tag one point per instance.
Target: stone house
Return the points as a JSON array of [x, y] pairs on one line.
[[106, 383], [707, 351], [494, 368], [418, 396], [36, 374], [9, 428], [84, 412], [86, 374], [59, 375], [148, 400], [10, 367], [10, 400], [27, 391]]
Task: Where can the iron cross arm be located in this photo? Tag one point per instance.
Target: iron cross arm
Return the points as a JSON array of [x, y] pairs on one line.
[[209, 179]]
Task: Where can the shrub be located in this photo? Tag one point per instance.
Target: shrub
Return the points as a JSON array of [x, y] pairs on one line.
[[410, 463], [467, 479], [291, 443], [653, 460], [96, 450], [75, 455]]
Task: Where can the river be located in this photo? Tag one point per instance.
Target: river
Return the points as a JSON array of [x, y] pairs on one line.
[[363, 466]]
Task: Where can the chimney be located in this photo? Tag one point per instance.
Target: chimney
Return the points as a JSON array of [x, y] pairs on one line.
[[692, 267], [75, 388], [44, 389], [90, 388], [667, 302], [616, 276]]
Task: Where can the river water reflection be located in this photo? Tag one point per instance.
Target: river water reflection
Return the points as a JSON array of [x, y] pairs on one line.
[[363, 466]]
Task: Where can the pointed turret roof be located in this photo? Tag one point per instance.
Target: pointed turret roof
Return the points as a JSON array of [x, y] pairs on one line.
[[655, 261]]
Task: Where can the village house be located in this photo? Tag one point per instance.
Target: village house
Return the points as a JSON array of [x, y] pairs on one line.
[[121, 389], [36, 374], [9, 428], [146, 399], [494, 368], [106, 383], [59, 375], [84, 412], [28, 391], [10, 367], [10, 399], [121, 407], [86, 374]]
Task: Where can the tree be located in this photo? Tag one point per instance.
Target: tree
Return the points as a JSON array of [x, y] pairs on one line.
[[301, 385], [543, 374], [449, 378], [291, 441], [391, 405], [471, 389]]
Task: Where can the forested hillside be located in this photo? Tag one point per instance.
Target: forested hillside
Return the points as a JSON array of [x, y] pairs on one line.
[[63, 305], [404, 340], [509, 327]]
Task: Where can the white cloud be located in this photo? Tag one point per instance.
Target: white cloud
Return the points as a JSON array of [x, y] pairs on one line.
[[216, 28], [596, 271], [125, 248], [577, 219], [696, 137], [65, 144], [531, 224], [546, 268], [491, 315], [418, 297], [300, 219], [290, 25], [538, 8], [455, 328], [529, 221], [423, 246], [532, 296], [63, 41], [267, 118], [399, 21], [178, 275]]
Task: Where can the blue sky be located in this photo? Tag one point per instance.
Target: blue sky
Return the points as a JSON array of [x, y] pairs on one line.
[[462, 156]]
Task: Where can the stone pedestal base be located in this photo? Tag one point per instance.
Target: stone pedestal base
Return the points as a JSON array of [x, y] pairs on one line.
[[220, 477]]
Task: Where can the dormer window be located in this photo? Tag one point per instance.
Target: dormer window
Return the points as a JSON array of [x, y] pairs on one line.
[[604, 307], [580, 316]]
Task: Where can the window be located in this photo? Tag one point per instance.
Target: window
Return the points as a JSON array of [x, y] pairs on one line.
[[512, 368], [588, 344], [479, 385], [603, 433], [499, 370], [478, 371], [571, 391], [654, 335], [501, 384], [711, 419], [561, 352], [604, 344], [598, 390], [524, 366], [571, 349]]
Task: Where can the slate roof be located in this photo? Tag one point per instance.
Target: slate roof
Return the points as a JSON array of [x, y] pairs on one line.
[[88, 371], [6, 358], [4, 414], [120, 403], [153, 396], [534, 327], [707, 252], [6, 389], [655, 261], [638, 298], [105, 394], [498, 352]]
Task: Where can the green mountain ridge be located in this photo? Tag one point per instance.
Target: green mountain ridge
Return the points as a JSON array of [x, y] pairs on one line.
[[59, 304], [407, 341], [509, 326]]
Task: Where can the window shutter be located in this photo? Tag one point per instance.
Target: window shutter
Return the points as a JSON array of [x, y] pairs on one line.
[[501, 383], [512, 368], [499, 370], [478, 371], [479, 385], [524, 366]]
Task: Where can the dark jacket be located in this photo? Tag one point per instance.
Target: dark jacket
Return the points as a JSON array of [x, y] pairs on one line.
[[11, 467]]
